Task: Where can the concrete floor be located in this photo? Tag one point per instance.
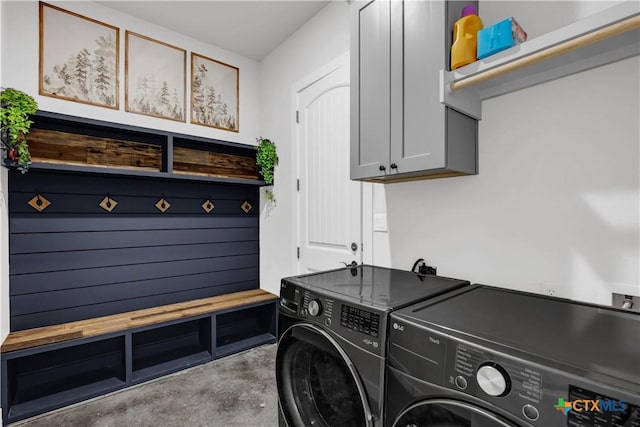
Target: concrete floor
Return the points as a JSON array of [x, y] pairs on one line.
[[236, 391]]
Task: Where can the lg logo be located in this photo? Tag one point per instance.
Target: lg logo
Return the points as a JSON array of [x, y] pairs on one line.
[[398, 327]]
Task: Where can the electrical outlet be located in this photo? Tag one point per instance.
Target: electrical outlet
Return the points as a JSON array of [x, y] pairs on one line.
[[628, 302], [547, 289]]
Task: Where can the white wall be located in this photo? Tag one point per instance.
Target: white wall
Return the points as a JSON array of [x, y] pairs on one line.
[[19, 65], [556, 204], [21, 70], [322, 39]]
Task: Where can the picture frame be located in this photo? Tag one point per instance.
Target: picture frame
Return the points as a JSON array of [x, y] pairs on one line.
[[79, 58], [155, 78], [214, 93]]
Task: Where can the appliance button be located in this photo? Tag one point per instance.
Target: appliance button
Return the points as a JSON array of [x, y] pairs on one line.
[[327, 321], [530, 412], [461, 382]]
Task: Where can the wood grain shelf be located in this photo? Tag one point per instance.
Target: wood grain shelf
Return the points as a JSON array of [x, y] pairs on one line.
[[134, 319], [70, 144], [603, 38], [96, 170]]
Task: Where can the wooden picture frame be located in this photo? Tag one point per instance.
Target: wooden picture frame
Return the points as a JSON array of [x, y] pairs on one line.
[[155, 78], [79, 58], [214, 93]]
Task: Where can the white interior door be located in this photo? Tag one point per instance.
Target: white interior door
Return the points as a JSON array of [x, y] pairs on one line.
[[329, 203]]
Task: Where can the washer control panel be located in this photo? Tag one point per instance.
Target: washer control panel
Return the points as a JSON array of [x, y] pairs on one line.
[[360, 320], [359, 325]]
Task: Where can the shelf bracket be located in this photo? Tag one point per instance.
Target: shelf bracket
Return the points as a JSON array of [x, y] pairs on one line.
[[468, 103]]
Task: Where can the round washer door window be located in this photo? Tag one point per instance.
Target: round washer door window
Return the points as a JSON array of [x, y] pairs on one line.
[[317, 385], [448, 413]]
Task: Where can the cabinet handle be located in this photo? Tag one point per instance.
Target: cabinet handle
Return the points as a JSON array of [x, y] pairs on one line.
[[382, 167], [393, 166]]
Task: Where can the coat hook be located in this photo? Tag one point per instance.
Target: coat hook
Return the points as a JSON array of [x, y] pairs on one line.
[[163, 205], [39, 202], [208, 205], [108, 204]]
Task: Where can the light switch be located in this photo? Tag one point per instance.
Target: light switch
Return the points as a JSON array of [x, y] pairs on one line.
[[380, 222]]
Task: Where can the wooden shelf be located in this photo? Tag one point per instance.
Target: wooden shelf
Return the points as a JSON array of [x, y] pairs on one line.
[[70, 144], [605, 37], [98, 170]]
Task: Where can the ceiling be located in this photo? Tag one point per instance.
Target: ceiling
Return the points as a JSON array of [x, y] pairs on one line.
[[249, 28]]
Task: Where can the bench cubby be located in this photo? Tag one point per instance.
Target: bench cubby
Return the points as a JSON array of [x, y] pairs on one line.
[[159, 351], [54, 366], [241, 329]]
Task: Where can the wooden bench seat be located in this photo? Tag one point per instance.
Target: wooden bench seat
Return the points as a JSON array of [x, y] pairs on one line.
[[133, 319]]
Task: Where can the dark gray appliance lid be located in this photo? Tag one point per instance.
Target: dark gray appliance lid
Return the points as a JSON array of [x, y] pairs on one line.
[[380, 287], [590, 337]]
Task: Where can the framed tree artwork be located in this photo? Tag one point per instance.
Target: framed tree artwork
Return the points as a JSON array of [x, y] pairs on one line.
[[79, 58], [154, 78], [214, 93]]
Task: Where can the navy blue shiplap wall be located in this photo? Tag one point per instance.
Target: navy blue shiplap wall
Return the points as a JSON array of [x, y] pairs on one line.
[[75, 260]]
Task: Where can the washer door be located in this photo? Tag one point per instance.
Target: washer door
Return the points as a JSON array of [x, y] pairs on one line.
[[317, 383], [448, 413]]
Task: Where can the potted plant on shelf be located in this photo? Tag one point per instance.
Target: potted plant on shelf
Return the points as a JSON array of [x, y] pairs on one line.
[[15, 118], [267, 159]]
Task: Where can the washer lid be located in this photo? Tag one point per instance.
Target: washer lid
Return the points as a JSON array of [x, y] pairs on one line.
[[590, 337], [380, 287]]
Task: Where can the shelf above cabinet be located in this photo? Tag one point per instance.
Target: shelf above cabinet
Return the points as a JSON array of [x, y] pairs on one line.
[[603, 38]]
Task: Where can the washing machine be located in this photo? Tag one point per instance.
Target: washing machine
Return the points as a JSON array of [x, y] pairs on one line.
[[489, 357], [330, 362]]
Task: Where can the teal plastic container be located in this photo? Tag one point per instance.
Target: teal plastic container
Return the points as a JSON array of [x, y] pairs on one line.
[[500, 36]]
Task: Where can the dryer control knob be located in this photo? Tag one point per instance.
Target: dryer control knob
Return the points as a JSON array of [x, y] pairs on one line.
[[493, 379], [315, 308]]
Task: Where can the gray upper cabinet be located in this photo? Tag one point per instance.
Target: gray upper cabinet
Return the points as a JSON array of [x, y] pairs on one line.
[[399, 129]]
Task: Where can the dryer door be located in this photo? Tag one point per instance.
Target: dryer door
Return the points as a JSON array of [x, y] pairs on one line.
[[317, 383], [448, 413]]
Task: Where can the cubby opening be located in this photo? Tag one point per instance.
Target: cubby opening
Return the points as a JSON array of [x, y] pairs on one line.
[[47, 380], [68, 142], [223, 162], [169, 348], [241, 329]]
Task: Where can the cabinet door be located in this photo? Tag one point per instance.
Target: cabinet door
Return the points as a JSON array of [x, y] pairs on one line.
[[417, 116], [370, 88]]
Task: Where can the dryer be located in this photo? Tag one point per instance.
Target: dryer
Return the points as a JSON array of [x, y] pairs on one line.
[[330, 362], [490, 357]]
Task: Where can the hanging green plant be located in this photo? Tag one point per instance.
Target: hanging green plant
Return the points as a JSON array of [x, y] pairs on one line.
[[15, 118], [270, 196], [267, 159]]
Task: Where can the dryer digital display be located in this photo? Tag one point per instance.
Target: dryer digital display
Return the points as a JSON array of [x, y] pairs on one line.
[[588, 408]]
